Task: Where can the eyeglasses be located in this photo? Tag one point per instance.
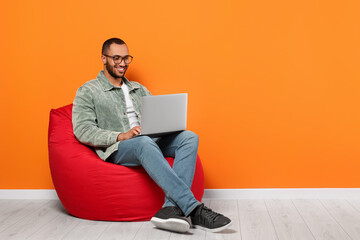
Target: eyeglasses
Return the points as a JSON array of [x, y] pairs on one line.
[[118, 59]]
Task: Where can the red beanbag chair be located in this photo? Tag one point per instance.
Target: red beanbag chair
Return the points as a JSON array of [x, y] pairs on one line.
[[93, 189]]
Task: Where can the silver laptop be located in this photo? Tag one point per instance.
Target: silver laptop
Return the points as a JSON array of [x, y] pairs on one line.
[[163, 114]]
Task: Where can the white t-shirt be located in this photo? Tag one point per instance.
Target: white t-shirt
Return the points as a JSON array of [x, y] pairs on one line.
[[130, 111]]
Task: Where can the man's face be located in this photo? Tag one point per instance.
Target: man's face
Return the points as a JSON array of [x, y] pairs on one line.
[[116, 70]]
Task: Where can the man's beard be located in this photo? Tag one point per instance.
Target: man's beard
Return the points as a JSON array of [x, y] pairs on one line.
[[111, 70]]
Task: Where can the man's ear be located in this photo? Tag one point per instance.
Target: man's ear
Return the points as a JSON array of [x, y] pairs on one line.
[[103, 58]]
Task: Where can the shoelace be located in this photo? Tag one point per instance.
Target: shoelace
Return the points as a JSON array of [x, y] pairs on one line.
[[209, 214]]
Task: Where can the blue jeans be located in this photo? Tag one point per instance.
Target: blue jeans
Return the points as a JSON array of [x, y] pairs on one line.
[[150, 153]]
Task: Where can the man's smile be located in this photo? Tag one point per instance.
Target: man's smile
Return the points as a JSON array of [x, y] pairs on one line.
[[120, 69]]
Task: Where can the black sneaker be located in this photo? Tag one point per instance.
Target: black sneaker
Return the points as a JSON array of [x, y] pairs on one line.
[[171, 218], [208, 220]]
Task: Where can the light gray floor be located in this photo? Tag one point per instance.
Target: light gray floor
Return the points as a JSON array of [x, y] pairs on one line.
[[252, 219]]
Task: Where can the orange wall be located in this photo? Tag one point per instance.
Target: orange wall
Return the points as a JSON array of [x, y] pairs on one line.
[[274, 90]]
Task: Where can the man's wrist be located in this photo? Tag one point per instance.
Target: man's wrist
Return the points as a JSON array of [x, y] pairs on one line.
[[121, 137]]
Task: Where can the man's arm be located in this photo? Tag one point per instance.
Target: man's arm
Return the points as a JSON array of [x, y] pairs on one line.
[[85, 126], [146, 92]]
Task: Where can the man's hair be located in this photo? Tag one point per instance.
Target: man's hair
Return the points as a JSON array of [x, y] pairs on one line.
[[110, 41]]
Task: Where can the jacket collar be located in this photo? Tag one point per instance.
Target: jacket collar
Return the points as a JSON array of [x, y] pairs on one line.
[[107, 86]]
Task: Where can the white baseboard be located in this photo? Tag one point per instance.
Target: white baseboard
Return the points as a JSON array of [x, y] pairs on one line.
[[28, 194], [283, 193], [254, 193]]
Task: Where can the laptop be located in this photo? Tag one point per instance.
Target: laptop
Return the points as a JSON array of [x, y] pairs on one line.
[[163, 114]]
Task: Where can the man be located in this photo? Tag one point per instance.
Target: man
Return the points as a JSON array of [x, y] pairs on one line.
[[106, 115]]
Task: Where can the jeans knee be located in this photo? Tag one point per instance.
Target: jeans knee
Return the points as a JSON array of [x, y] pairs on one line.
[[144, 143], [191, 136], [143, 140]]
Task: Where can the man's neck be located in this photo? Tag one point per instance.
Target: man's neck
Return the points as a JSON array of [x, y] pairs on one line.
[[114, 81]]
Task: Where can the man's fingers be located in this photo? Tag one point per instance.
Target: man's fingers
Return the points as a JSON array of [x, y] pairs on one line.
[[136, 131]]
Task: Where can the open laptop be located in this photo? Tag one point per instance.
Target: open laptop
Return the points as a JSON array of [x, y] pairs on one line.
[[163, 114]]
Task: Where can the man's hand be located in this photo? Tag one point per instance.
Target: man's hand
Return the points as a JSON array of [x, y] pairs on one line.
[[133, 132]]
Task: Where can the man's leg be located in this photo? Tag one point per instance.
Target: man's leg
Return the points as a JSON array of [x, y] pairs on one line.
[[183, 147], [144, 151]]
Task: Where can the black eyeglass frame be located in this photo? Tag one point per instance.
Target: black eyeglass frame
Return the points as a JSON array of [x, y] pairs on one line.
[[120, 58]]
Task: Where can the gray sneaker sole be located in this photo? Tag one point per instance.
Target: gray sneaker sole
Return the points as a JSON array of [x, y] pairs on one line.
[[171, 224], [219, 229]]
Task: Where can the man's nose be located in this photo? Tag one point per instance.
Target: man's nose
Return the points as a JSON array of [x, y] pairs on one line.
[[122, 62]]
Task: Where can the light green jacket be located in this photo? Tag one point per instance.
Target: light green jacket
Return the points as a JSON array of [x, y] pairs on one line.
[[99, 113]]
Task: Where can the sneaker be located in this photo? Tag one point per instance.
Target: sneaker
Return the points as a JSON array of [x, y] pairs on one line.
[[171, 218], [208, 220]]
